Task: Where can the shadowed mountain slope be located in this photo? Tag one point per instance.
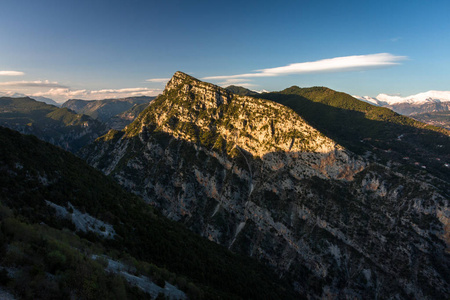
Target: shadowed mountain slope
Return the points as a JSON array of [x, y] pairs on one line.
[[42, 258], [371, 130]]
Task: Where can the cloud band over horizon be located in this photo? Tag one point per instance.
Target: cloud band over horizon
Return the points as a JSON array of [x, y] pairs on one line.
[[11, 73], [63, 94], [337, 64], [36, 83]]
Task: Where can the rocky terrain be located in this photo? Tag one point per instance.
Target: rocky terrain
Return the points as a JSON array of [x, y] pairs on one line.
[[254, 176]]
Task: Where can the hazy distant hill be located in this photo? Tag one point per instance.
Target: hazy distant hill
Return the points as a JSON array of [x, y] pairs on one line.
[[239, 90], [349, 199], [58, 126], [46, 100], [37, 98], [104, 110], [119, 121], [440, 118]]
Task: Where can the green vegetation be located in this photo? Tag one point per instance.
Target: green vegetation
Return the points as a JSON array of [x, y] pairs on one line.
[[242, 91], [59, 126], [44, 250], [362, 127]]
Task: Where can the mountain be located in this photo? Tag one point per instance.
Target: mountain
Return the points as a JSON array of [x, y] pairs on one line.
[[293, 185], [439, 118], [421, 98], [242, 91], [387, 137], [46, 100], [119, 121], [104, 110], [70, 232], [58, 126], [428, 102], [37, 98]]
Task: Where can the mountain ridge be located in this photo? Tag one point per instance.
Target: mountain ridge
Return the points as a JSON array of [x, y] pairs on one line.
[[313, 215], [56, 125], [431, 102], [420, 98], [105, 109]]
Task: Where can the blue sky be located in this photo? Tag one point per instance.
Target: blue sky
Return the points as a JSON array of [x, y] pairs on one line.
[[93, 49]]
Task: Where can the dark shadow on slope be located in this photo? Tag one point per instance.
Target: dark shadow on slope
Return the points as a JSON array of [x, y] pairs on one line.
[[37, 171], [388, 140], [335, 201]]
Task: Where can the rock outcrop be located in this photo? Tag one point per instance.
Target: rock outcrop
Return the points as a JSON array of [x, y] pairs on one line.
[[252, 175]]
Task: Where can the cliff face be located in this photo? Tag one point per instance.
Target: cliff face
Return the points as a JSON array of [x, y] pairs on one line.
[[252, 175]]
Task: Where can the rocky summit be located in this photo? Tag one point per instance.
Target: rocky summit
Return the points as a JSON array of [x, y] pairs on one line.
[[255, 177]]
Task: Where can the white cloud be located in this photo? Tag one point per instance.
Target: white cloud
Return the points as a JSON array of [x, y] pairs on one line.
[[243, 84], [58, 92], [126, 90], [238, 81], [63, 94], [158, 80], [37, 83], [11, 73], [337, 64]]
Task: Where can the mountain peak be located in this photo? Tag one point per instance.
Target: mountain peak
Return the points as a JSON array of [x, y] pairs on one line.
[[182, 75], [210, 116], [183, 80], [180, 78]]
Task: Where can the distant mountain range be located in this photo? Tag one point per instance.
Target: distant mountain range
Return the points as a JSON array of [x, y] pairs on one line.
[[428, 102], [37, 98], [104, 110], [427, 97], [59, 126]]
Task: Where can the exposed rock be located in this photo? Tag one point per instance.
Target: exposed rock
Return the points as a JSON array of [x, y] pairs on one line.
[[253, 176]]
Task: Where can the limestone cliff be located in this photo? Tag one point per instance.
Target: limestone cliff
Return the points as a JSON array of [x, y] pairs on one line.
[[253, 176]]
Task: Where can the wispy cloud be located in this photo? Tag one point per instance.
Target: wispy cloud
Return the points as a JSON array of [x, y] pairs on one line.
[[337, 64], [158, 80], [395, 39], [11, 73], [37, 83], [126, 90], [238, 81], [62, 94]]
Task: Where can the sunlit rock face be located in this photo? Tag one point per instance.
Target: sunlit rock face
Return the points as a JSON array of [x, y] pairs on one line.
[[253, 176]]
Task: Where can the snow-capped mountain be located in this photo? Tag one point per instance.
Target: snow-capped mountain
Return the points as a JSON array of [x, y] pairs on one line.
[[433, 102], [421, 98]]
